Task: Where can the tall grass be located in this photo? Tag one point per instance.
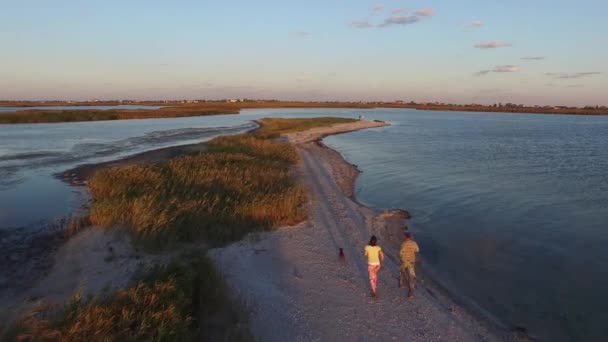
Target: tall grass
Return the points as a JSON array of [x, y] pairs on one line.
[[241, 185], [184, 301], [272, 127], [54, 116]]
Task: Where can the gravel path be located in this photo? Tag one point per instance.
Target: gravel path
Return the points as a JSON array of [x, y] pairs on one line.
[[296, 287]]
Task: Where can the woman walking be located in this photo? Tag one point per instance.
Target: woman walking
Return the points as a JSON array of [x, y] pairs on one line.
[[374, 255]]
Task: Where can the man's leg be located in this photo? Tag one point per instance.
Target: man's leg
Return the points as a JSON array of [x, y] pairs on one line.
[[411, 280], [412, 276]]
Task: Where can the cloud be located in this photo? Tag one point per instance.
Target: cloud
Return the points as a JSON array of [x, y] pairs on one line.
[[399, 20], [476, 24], [301, 33], [491, 45], [377, 8], [361, 24], [500, 69], [506, 68], [566, 75], [566, 86], [533, 58], [425, 12]]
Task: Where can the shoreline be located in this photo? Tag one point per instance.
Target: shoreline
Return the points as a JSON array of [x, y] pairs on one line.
[[273, 253], [432, 284], [341, 172]]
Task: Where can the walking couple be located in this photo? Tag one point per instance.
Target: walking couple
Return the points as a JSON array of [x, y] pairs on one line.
[[407, 254]]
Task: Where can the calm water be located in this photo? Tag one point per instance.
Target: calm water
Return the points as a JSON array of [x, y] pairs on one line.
[[18, 109], [511, 211]]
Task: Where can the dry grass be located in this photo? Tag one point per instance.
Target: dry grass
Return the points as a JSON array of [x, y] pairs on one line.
[[240, 185], [179, 302], [272, 127], [205, 108], [54, 116]]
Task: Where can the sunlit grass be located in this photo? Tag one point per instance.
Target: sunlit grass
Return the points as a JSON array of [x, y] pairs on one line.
[[241, 184], [276, 126], [179, 302], [53, 116], [204, 108]]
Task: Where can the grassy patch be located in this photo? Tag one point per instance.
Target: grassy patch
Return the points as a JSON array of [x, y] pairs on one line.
[[240, 185], [204, 108], [275, 126], [53, 116], [184, 301]]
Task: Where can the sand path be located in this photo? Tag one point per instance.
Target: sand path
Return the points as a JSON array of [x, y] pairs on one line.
[[297, 288]]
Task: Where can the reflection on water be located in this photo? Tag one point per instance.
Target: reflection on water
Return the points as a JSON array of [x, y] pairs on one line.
[[511, 210]]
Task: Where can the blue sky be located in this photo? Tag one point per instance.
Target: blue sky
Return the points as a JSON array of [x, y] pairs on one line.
[[533, 51]]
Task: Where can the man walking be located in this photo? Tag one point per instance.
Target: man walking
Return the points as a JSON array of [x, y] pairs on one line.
[[407, 254]]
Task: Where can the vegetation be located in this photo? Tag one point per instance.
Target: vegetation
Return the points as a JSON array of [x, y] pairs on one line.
[[184, 301], [276, 126], [54, 116], [499, 108], [177, 110], [241, 184]]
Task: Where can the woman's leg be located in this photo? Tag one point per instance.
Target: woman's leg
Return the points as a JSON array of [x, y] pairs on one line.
[[373, 276]]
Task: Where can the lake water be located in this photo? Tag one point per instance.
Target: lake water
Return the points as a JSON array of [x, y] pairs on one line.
[[510, 210], [18, 109]]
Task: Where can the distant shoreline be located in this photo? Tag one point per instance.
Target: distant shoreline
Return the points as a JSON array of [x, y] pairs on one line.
[[197, 108]]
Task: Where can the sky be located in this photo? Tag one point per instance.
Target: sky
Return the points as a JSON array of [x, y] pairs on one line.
[[545, 52]]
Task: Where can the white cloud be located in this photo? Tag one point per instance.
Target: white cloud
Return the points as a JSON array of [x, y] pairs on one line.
[[533, 58], [506, 68], [361, 24], [499, 69], [301, 33], [491, 45], [566, 75], [400, 20], [397, 18], [425, 12]]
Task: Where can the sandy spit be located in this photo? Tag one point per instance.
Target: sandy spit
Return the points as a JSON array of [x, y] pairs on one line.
[[296, 287]]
